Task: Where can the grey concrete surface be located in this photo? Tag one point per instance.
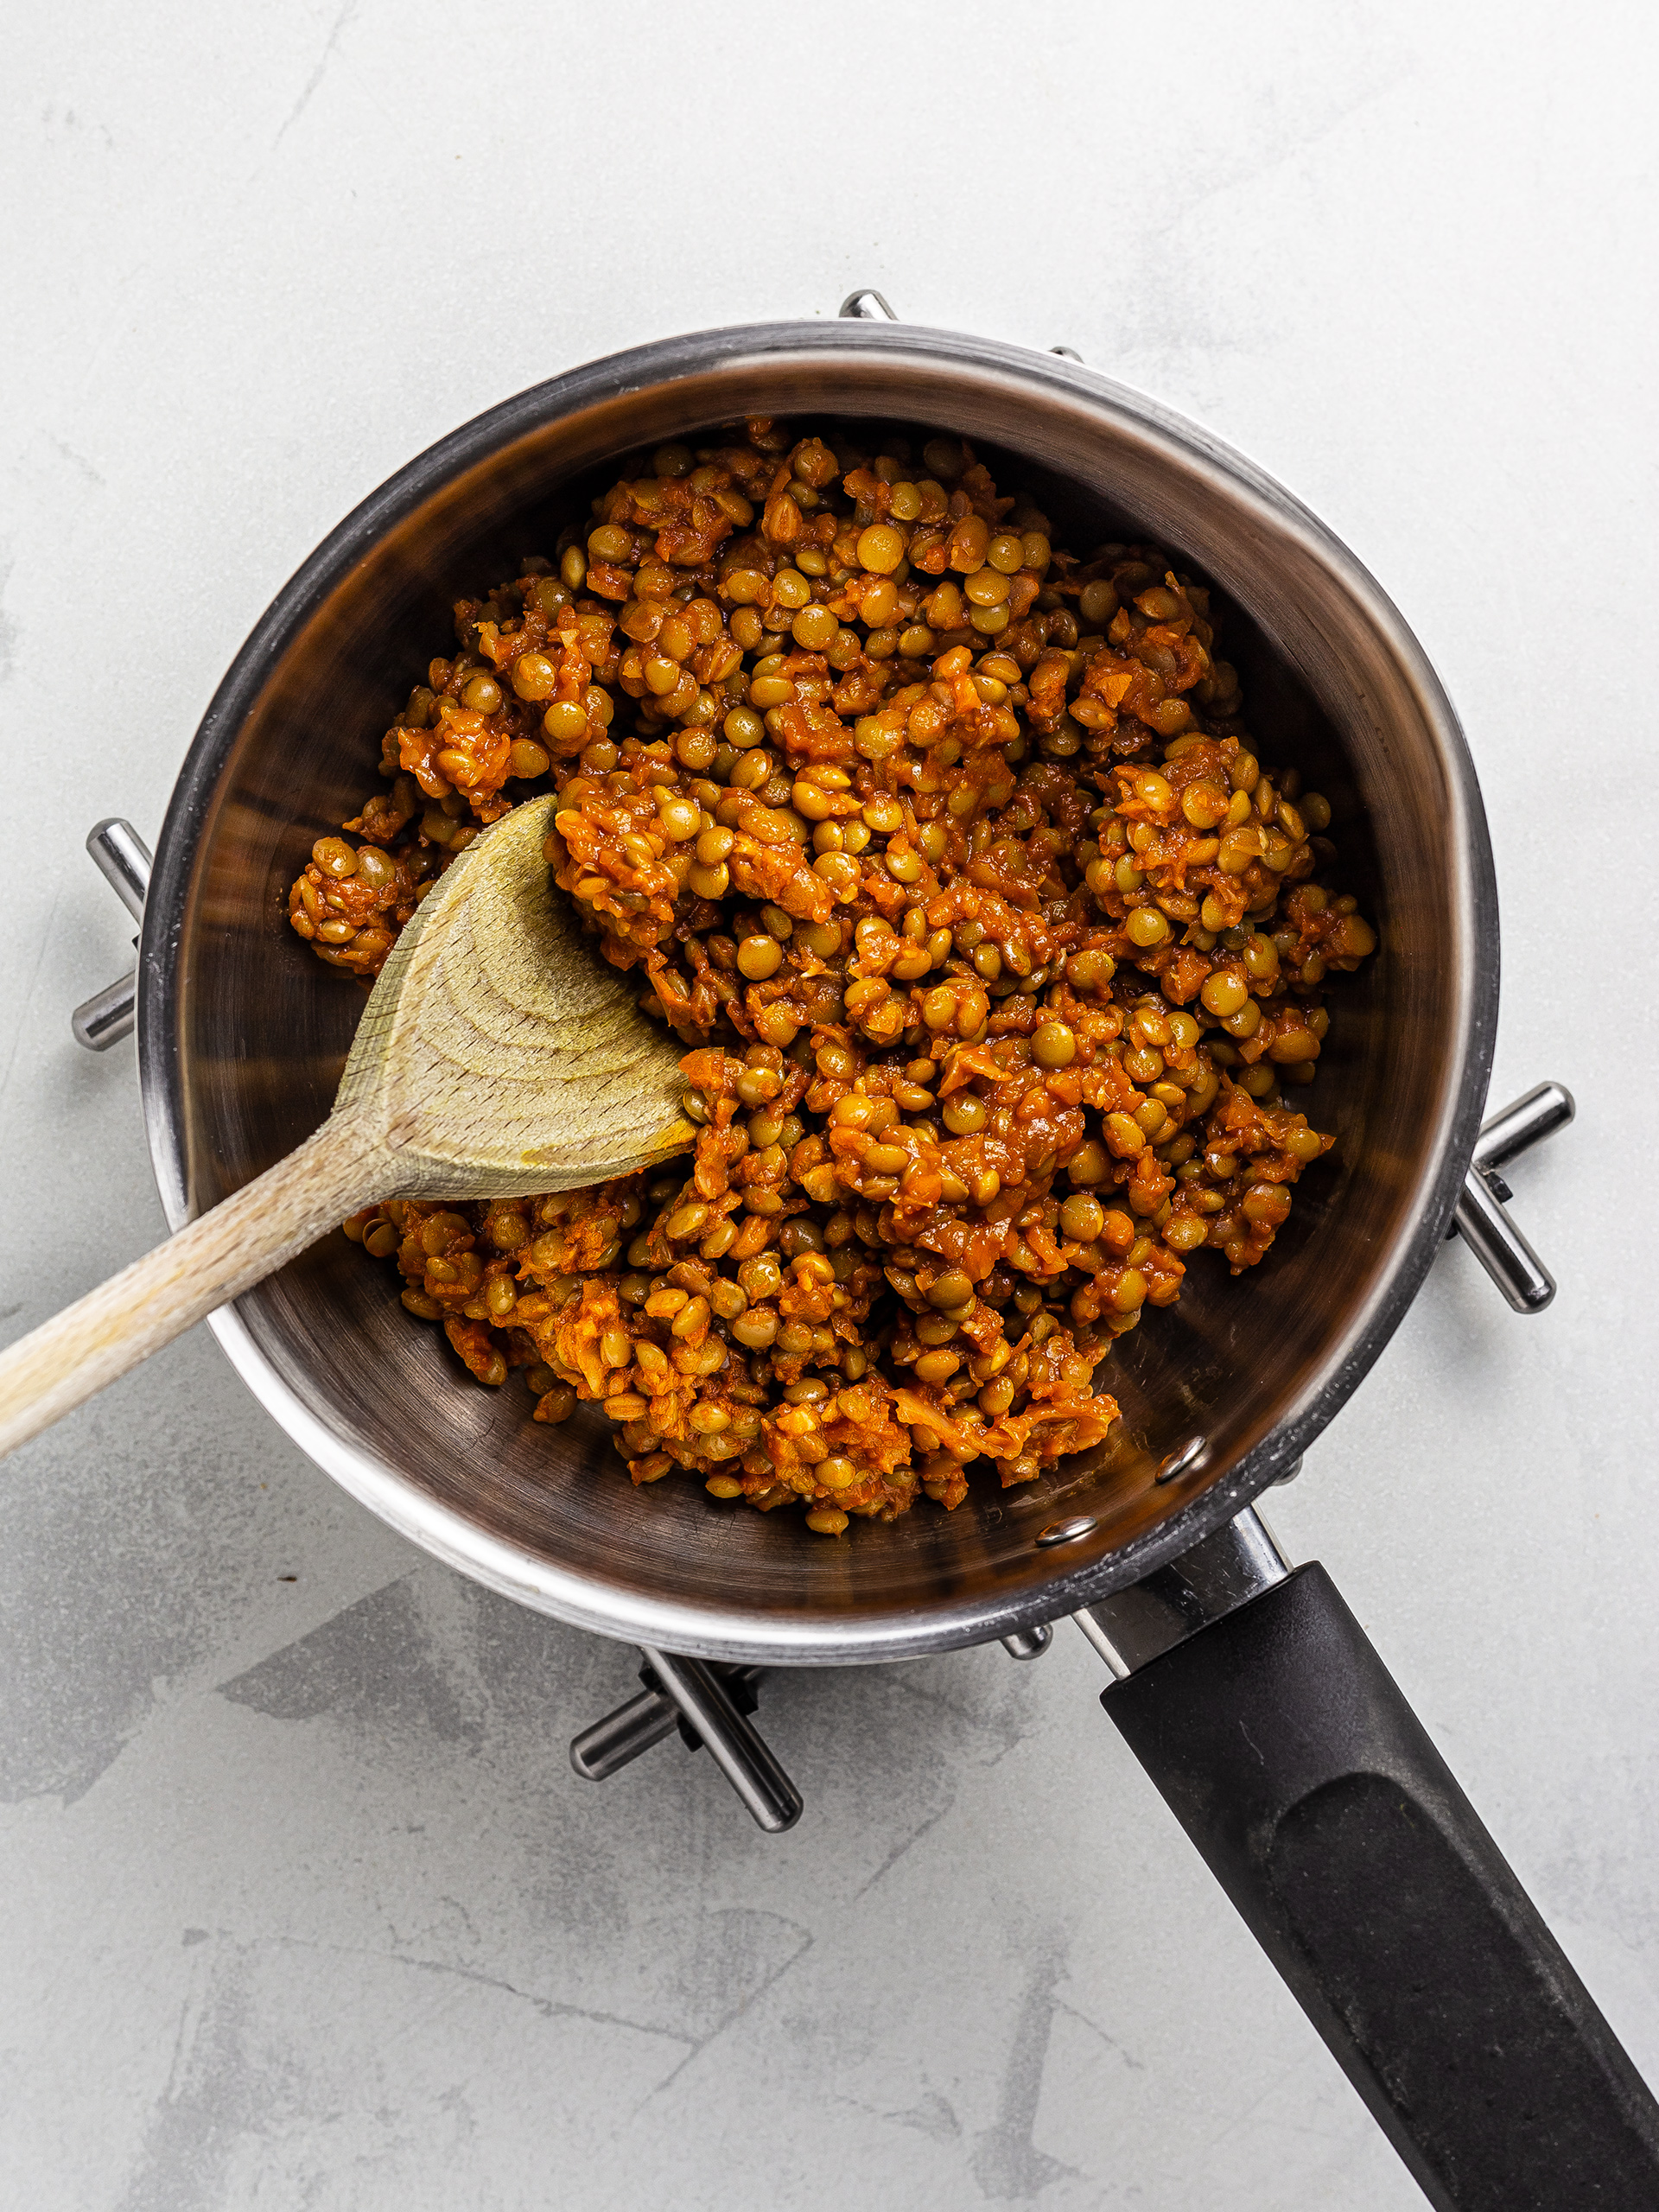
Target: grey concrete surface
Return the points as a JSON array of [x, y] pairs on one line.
[[303, 1907]]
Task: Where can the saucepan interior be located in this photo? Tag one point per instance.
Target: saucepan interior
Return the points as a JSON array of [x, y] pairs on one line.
[[243, 1034]]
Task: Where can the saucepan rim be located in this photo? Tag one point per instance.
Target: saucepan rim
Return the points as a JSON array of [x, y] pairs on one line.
[[693, 1627]]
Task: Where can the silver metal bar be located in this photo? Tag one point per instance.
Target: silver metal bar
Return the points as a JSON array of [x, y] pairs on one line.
[[124, 860], [107, 1017], [611, 1743], [1539, 1115], [1095, 1636], [1501, 1249], [1480, 1219], [866, 306], [1029, 1643], [735, 1747], [622, 1736], [1213, 1579]]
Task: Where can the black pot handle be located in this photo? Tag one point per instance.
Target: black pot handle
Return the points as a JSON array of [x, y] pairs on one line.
[[1283, 1746]]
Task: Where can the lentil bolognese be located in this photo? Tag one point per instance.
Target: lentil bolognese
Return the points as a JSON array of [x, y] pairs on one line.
[[991, 945]]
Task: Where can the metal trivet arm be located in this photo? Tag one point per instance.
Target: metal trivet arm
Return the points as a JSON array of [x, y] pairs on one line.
[[1481, 1218], [709, 1705], [124, 860]]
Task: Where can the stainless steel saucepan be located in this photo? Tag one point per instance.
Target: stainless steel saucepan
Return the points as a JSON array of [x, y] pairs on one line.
[[1246, 1688]]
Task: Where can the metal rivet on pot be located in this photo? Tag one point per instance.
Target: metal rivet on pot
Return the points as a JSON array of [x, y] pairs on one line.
[[1182, 1458], [1067, 1532]]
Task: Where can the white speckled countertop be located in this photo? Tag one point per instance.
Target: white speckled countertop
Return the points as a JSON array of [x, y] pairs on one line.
[[303, 1904]]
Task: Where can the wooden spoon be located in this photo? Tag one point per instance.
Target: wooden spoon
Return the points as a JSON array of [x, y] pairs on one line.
[[499, 1055]]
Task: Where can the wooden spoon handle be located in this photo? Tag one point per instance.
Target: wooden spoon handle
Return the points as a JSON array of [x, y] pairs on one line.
[[45, 1375]]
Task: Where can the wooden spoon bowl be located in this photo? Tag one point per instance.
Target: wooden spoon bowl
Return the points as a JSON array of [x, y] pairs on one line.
[[499, 1055]]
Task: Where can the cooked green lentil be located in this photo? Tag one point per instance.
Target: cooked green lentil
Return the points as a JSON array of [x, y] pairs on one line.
[[946, 855]]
